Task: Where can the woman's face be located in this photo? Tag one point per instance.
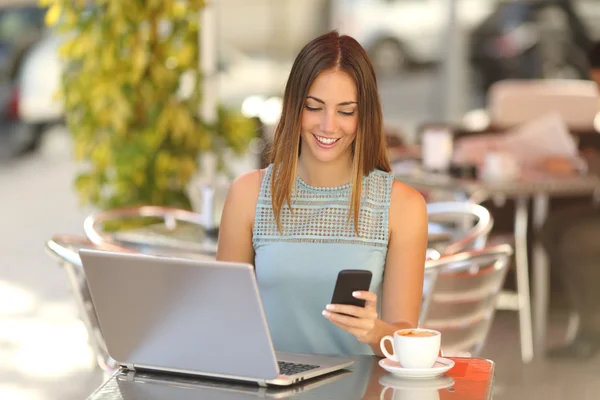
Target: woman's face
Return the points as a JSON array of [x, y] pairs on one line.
[[330, 117]]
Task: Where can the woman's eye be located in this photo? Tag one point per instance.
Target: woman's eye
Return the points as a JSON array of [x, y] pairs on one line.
[[309, 108], [347, 113]]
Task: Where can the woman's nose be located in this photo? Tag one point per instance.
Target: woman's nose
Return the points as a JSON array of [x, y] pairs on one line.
[[328, 123]]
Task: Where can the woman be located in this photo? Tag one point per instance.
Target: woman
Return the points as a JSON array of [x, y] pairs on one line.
[[327, 203]]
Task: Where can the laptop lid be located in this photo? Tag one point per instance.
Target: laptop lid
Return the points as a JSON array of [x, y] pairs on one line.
[[180, 315]]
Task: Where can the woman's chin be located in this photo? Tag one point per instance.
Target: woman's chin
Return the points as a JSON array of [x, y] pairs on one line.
[[326, 156]]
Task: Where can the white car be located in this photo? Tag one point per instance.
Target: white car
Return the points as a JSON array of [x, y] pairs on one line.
[[38, 82], [398, 32]]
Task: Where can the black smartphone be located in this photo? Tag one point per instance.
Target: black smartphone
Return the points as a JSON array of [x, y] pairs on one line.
[[348, 281]]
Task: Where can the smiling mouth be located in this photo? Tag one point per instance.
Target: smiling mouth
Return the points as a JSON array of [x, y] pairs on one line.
[[327, 142]]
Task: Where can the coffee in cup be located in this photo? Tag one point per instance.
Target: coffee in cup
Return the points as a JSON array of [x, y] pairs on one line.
[[416, 333], [413, 348]]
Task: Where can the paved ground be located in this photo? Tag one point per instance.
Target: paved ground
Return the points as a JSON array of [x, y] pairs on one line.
[[43, 345]]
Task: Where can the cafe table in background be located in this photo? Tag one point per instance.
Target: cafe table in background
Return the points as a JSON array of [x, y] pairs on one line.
[[531, 187]]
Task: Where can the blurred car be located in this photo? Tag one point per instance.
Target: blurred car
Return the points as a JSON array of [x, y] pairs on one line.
[[542, 39], [397, 33], [21, 26]]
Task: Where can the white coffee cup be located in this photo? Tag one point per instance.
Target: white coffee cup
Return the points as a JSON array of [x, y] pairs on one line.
[[413, 348]]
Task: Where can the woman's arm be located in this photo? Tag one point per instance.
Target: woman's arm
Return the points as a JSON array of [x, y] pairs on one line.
[[405, 263], [235, 230], [402, 280]]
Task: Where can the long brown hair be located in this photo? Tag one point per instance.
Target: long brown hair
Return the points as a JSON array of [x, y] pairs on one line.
[[328, 52]]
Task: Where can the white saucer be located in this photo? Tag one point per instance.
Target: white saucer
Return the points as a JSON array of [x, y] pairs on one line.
[[441, 365], [436, 383]]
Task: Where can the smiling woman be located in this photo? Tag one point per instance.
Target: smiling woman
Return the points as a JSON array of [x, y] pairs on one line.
[[332, 90], [330, 123], [326, 203]]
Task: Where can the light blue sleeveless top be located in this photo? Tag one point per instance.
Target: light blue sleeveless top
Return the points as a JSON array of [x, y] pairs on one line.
[[297, 269]]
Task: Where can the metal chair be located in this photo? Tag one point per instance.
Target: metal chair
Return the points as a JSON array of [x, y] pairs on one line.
[[462, 297], [189, 238], [470, 224], [65, 249]]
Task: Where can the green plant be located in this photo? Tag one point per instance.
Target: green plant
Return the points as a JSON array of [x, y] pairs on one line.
[[131, 99]]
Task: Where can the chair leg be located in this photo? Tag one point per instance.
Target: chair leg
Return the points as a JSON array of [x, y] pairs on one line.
[[541, 297], [522, 267], [541, 275], [572, 327]]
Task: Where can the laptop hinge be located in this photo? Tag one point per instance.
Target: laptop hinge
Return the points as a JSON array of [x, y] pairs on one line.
[[130, 375], [129, 367]]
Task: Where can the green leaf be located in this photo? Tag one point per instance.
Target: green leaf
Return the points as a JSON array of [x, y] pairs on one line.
[[134, 132], [53, 14]]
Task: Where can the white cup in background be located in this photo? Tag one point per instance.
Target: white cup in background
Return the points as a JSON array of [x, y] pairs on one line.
[[437, 146], [499, 166], [413, 348]]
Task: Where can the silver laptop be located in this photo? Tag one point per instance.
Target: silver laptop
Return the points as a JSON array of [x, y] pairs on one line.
[[144, 385], [190, 316]]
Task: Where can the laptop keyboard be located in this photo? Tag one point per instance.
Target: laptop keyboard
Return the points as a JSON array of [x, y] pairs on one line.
[[288, 368]]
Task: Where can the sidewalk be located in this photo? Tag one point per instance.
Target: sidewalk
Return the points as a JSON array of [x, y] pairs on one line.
[[43, 346]]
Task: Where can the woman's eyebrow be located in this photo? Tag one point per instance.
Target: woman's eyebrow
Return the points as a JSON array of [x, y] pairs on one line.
[[343, 103]]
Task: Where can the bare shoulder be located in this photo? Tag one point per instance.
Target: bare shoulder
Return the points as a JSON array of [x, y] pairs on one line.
[[248, 182], [407, 206], [235, 229], [406, 197], [244, 189]]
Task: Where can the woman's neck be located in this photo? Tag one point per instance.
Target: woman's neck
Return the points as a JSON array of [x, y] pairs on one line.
[[325, 174]]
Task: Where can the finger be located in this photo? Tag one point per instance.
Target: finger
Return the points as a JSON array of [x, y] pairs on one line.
[[370, 298], [359, 312], [358, 332], [352, 322]]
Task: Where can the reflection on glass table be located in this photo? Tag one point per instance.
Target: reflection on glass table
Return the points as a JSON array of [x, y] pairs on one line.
[[470, 378]]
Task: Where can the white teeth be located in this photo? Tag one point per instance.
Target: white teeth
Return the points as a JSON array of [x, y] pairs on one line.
[[326, 140]]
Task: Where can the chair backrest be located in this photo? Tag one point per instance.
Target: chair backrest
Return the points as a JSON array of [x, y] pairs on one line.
[[189, 238], [65, 249], [461, 299], [471, 224], [514, 102]]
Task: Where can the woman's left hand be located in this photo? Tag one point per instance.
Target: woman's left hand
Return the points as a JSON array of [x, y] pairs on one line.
[[359, 321]]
